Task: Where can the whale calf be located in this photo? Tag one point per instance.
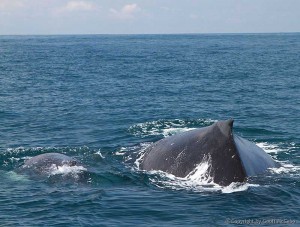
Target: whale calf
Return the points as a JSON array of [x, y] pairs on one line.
[[44, 163], [231, 158]]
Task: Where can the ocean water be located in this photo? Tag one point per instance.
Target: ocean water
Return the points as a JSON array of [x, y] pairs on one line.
[[102, 99]]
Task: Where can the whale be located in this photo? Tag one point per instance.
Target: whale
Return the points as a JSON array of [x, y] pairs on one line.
[[231, 158], [55, 168], [44, 163]]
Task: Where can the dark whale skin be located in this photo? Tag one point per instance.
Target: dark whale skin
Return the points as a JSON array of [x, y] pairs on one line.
[[232, 158], [41, 164]]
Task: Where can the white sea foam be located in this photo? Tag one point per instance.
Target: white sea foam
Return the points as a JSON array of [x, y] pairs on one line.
[[17, 177], [122, 151], [237, 187], [198, 180], [66, 170], [99, 153], [167, 127], [172, 131], [201, 173], [196, 183], [141, 154], [270, 148], [286, 168], [15, 150]]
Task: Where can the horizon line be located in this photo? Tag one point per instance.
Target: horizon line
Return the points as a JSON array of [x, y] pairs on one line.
[[128, 34]]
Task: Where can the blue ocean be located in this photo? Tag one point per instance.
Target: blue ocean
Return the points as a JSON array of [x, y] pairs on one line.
[[102, 99]]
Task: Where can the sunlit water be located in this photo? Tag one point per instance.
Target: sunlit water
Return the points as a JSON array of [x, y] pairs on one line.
[[104, 99]]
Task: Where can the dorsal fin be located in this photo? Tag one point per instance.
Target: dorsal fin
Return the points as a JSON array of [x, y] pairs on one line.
[[226, 126]]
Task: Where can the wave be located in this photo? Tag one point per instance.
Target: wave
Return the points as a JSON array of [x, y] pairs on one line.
[[285, 151], [167, 127], [287, 168], [275, 148]]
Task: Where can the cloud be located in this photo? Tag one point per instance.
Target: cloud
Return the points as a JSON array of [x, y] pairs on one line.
[[165, 8], [193, 16], [127, 12], [8, 5], [75, 6]]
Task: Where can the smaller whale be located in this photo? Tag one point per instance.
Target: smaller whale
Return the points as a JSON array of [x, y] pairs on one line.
[[45, 163], [55, 168]]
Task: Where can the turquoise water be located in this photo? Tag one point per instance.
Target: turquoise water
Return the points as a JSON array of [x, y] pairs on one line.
[[103, 99]]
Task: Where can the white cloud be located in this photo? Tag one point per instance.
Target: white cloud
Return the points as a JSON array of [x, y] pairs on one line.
[[165, 8], [127, 12], [73, 6], [7, 5], [194, 16], [129, 9]]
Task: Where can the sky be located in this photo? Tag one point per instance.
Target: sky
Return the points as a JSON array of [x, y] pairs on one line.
[[25, 17]]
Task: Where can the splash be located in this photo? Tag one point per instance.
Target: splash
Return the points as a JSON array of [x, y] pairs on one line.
[[196, 183], [172, 131], [122, 151], [286, 168], [141, 154], [201, 173], [65, 169], [237, 187], [270, 148], [198, 180], [100, 154]]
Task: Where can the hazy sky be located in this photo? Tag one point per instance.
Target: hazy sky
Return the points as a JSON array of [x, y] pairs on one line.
[[148, 16]]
